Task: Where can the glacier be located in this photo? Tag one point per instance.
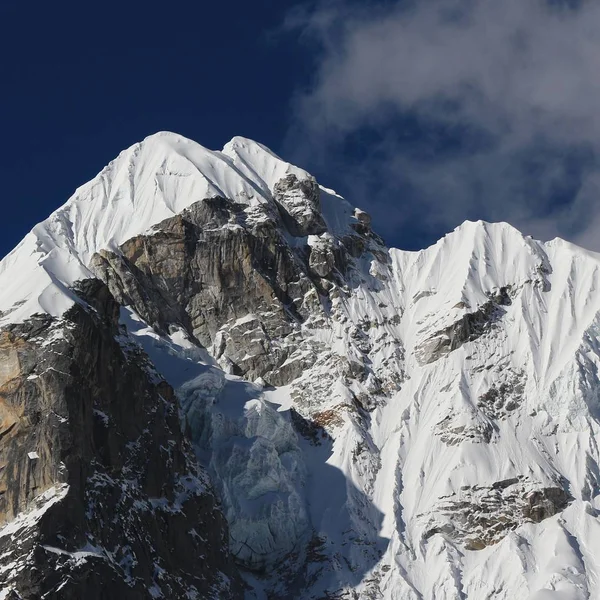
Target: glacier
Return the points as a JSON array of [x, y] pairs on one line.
[[431, 430]]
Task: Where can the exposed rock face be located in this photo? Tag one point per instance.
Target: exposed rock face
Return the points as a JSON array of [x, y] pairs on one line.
[[467, 329], [481, 516], [298, 201], [210, 270], [109, 498], [322, 255], [226, 274], [502, 399], [22, 432], [453, 431]]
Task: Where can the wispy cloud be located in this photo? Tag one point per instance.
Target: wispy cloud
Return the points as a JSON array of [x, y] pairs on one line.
[[441, 110]]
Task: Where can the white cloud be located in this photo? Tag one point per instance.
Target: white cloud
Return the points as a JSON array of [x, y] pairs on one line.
[[519, 78]]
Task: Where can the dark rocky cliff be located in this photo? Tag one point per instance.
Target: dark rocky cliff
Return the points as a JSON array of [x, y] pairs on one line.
[[108, 499], [219, 261]]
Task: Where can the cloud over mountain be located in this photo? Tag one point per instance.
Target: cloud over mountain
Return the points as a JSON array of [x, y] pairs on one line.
[[458, 109]]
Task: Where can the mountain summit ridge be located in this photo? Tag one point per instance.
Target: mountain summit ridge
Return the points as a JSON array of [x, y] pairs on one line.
[[125, 199], [244, 169], [354, 420]]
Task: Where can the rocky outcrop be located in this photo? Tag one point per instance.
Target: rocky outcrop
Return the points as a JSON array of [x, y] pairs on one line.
[[480, 516], [456, 429], [299, 205], [101, 492], [233, 285], [321, 259], [468, 328], [28, 428], [227, 275], [501, 400]]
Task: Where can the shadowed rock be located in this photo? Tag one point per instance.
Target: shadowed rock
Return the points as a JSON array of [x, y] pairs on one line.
[[112, 501]]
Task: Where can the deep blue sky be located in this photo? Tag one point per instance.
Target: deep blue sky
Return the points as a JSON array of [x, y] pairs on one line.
[[81, 81]]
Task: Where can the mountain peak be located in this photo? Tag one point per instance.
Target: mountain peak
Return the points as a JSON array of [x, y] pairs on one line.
[[376, 423], [158, 178], [148, 182]]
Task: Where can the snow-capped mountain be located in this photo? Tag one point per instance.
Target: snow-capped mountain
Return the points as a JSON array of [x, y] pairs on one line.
[[216, 381]]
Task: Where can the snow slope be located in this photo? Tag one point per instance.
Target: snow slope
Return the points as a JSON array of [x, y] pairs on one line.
[[471, 468], [443, 438]]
